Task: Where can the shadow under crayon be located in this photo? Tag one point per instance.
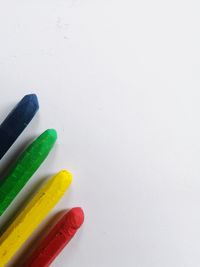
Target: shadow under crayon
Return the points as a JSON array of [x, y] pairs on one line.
[[18, 209], [23, 256], [22, 204]]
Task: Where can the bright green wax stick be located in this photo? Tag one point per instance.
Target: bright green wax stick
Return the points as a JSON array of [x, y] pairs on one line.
[[25, 167]]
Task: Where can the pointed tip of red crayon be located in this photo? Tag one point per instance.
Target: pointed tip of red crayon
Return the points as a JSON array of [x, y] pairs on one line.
[[75, 217]]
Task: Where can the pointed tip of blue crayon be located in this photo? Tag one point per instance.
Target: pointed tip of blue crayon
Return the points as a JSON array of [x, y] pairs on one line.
[[16, 121], [31, 98]]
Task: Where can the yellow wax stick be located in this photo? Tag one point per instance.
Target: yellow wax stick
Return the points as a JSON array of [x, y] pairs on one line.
[[32, 215]]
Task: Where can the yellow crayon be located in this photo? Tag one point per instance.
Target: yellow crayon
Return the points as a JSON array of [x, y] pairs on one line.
[[32, 215]]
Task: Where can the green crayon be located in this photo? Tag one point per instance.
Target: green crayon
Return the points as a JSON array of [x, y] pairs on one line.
[[27, 164]]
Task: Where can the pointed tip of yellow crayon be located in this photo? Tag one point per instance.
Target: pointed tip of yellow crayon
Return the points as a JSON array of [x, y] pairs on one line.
[[65, 178], [60, 182]]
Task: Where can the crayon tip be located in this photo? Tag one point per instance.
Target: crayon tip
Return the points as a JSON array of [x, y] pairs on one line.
[[16, 121], [65, 176], [61, 181], [75, 217], [32, 99], [52, 133]]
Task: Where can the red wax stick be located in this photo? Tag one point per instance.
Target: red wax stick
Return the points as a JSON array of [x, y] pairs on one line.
[[57, 239]]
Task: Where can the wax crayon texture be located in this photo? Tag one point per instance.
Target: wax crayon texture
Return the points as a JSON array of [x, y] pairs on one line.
[[25, 167], [32, 215], [16, 122], [58, 237]]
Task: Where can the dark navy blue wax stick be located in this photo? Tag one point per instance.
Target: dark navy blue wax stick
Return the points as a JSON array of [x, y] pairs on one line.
[[16, 122]]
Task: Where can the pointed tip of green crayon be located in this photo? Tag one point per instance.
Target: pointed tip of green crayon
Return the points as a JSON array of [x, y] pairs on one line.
[[51, 133], [27, 164]]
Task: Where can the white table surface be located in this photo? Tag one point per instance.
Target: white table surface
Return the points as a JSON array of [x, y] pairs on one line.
[[120, 82]]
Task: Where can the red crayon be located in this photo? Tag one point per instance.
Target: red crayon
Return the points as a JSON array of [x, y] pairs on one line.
[[56, 239]]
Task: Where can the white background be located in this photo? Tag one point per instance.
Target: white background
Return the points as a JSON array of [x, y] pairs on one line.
[[120, 82]]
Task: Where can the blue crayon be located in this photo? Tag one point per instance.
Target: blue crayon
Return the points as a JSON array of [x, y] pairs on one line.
[[16, 122]]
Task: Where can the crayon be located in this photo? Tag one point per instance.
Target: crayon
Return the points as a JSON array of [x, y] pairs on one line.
[[16, 122], [25, 167], [32, 215], [58, 237]]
